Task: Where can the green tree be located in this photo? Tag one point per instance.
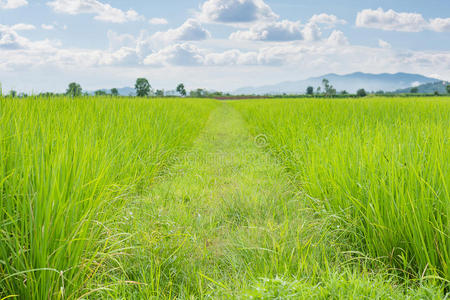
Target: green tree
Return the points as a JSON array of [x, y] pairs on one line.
[[114, 92], [310, 90], [319, 89], [100, 93], [344, 92], [159, 93], [143, 87], [74, 90], [448, 89], [329, 89], [414, 90], [361, 93], [181, 90], [13, 93]]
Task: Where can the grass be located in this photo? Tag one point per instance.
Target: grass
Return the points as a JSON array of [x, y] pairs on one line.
[[382, 165], [196, 199], [66, 168]]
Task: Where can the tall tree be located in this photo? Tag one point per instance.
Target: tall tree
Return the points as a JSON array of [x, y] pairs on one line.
[[329, 89], [143, 87], [181, 90], [74, 90], [100, 93], [414, 90], [114, 92], [361, 93], [310, 90], [448, 89]]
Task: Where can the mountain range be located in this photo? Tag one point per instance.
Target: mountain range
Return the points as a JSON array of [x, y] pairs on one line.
[[398, 82], [428, 88], [349, 82]]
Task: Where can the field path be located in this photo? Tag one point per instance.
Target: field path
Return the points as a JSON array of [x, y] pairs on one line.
[[226, 210]]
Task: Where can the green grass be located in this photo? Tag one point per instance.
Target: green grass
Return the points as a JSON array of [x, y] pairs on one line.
[[66, 168], [381, 165], [182, 199]]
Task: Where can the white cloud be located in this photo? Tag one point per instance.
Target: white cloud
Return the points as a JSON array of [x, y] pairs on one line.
[[158, 21], [337, 38], [179, 54], [283, 31], [394, 21], [273, 31], [102, 11], [117, 41], [390, 20], [384, 44], [311, 32], [22, 27], [236, 11], [191, 30], [47, 27], [12, 4], [440, 25], [330, 20]]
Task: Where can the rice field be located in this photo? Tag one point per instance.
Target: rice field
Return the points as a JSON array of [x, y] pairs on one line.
[[129, 198]]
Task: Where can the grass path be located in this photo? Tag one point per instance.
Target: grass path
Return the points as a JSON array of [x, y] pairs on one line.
[[226, 215]]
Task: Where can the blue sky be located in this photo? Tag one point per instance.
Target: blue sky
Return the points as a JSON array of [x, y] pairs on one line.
[[216, 44]]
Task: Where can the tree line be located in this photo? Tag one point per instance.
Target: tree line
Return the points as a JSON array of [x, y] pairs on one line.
[[143, 88]]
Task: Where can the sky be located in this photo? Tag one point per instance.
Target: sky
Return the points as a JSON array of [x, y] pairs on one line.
[[216, 44]]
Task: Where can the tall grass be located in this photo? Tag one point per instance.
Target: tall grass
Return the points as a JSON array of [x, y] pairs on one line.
[[383, 165], [66, 167]]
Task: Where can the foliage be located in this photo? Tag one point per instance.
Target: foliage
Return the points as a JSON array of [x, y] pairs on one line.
[[310, 90], [181, 90], [114, 92], [143, 87], [328, 88], [100, 93], [381, 165], [67, 169], [361, 93], [74, 90]]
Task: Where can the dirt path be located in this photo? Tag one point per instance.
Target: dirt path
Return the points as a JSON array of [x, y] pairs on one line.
[[223, 215]]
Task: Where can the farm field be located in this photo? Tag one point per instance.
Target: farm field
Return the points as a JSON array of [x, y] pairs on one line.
[[125, 198]]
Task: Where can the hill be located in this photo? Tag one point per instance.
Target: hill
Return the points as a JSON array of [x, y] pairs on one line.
[[428, 88], [349, 82]]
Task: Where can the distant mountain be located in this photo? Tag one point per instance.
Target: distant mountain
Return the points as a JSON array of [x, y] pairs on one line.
[[428, 88], [126, 91], [350, 82]]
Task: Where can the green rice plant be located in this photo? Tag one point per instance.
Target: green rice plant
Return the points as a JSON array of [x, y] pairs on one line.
[[383, 165], [67, 166]]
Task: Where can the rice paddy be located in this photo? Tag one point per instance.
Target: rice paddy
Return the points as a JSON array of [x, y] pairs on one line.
[[128, 198]]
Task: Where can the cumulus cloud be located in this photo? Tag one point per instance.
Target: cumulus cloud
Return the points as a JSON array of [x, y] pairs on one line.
[[12, 4], [158, 21], [273, 31], [117, 41], [102, 11], [337, 38], [22, 27], [384, 44], [391, 20], [179, 54], [330, 20], [236, 11], [47, 27], [440, 25], [311, 32], [191, 30], [286, 30]]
